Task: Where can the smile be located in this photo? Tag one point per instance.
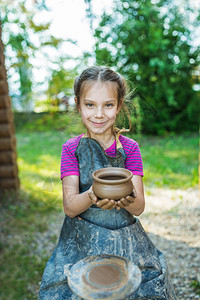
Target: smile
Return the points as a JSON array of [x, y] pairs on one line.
[[98, 124]]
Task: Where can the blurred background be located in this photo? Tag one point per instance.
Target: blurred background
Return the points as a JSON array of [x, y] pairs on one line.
[[155, 45]]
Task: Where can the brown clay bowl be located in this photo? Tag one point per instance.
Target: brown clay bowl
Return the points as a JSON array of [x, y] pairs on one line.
[[112, 183]]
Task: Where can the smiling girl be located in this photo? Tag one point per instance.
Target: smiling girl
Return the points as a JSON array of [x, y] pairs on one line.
[[93, 226]]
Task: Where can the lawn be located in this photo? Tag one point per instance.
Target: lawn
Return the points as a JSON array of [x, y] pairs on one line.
[[170, 162]]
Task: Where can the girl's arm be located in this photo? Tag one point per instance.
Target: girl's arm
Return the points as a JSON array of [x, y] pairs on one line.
[[73, 202], [134, 205]]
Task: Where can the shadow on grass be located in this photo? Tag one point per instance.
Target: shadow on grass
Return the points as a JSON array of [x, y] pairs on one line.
[[23, 216]]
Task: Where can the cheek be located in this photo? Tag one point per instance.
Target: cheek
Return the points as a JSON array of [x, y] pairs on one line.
[[85, 113], [112, 114]]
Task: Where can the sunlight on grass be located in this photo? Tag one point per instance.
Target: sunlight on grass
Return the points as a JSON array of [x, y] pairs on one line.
[[47, 166], [42, 180], [170, 162]]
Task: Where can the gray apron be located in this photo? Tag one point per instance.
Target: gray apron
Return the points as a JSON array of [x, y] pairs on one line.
[[98, 231]]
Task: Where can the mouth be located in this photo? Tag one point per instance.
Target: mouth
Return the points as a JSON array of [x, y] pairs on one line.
[[98, 124]]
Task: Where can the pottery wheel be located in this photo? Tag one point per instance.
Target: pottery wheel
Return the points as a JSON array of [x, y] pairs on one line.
[[104, 277]]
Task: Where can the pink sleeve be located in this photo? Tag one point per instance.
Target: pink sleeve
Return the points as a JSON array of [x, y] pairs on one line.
[[69, 162], [133, 161]]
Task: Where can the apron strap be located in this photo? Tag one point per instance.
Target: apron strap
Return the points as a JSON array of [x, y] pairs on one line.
[[117, 133]]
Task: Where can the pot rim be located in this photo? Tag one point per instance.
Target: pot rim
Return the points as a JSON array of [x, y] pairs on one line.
[[112, 171]]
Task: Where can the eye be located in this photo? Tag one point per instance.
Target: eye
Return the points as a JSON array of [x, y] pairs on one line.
[[90, 105], [109, 105]]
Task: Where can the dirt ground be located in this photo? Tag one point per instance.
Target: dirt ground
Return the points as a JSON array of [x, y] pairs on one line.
[[172, 220]]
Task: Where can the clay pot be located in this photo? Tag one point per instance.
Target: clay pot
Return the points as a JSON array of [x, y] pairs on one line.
[[112, 183]]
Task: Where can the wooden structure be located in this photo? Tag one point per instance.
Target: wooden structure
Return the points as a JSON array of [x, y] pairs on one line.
[[8, 165]]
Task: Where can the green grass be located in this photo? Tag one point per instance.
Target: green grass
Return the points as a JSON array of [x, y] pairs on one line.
[[22, 215], [195, 284], [168, 162], [39, 164], [171, 161]]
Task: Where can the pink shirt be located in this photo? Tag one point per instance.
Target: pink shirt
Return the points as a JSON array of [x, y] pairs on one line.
[[69, 163]]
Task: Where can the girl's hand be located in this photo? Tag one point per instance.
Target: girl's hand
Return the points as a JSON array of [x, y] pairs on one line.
[[103, 203], [123, 202], [106, 203]]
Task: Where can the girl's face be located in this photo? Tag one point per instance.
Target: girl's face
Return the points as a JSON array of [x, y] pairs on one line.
[[99, 107]]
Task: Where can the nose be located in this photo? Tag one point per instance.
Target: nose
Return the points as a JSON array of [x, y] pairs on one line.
[[99, 112]]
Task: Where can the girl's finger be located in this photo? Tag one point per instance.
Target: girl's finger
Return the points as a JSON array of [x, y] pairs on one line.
[[120, 204], [109, 205], [103, 202], [92, 197], [125, 202], [130, 199]]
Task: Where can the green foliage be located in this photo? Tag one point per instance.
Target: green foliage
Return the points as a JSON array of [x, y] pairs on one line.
[[89, 12], [195, 284], [61, 81], [24, 38], [130, 116], [149, 42], [38, 122]]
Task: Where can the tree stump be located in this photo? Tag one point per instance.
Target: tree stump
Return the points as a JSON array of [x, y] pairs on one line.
[[8, 155]]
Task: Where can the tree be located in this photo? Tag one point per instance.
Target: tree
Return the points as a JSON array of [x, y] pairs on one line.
[[24, 38], [8, 161], [61, 82], [149, 42]]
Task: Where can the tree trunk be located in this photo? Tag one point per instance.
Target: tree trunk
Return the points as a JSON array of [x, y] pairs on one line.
[[8, 156]]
